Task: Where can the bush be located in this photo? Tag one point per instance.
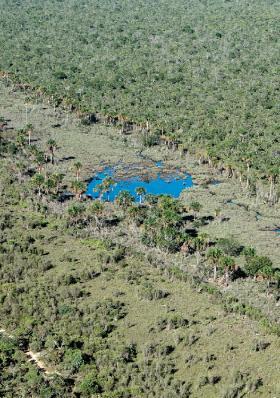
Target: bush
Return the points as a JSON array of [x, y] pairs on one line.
[[229, 246], [148, 292], [255, 264], [89, 385], [73, 360]]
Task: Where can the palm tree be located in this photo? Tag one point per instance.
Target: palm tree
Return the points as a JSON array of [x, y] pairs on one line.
[[57, 178], [227, 263], [108, 182], [20, 140], [105, 187], [97, 210], [140, 191], [267, 273], [273, 173], [77, 167], [53, 183], [29, 130], [213, 257], [195, 207], [38, 182], [51, 148], [125, 200], [40, 160], [75, 211], [100, 189], [78, 187]]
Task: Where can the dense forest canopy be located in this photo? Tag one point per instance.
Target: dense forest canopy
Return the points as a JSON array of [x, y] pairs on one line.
[[206, 71]]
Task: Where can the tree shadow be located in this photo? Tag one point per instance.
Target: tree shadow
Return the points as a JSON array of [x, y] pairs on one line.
[[65, 196], [67, 158]]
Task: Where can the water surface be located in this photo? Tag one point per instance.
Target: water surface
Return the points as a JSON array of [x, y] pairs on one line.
[[158, 181]]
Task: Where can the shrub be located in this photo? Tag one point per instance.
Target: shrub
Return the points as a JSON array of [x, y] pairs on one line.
[[73, 360], [148, 292], [255, 264], [89, 385], [229, 246]]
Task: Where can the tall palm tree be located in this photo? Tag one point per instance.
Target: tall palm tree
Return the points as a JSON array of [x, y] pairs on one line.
[[52, 146], [40, 160], [140, 191], [227, 263], [97, 209], [107, 184], [213, 257], [78, 187], [100, 190], [21, 140], [78, 167], [105, 187], [273, 173], [29, 130], [125, 200], [53, 183], [38, 182]]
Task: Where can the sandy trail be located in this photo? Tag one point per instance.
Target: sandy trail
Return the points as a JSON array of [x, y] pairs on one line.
[[34, 357]]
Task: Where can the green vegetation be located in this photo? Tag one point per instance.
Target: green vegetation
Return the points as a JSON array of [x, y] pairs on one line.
[[158, 299], [203, 74], [104, 297]]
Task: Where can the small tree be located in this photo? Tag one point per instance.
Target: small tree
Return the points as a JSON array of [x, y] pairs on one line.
[[90, 385], [53, 183], [254, 265], [249, 252], [105, 187], [267, 272], [73, 360], [229, 246], [135, 215]]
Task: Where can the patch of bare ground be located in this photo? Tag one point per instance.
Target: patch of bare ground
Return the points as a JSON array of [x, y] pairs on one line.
[[35, 357]]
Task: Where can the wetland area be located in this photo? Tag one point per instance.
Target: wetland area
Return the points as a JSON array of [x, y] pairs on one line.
[[152, 177], [250, 221], [98, 268]]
